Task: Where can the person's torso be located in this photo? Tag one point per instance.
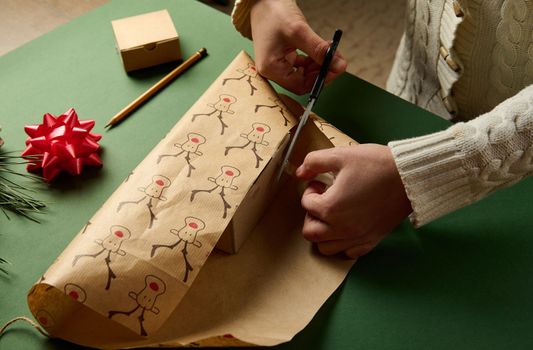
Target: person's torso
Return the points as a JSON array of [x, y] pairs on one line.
[[462, 58]]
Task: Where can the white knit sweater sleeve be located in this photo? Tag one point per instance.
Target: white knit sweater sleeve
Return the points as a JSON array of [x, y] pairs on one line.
[[447, 170], [240, 17]]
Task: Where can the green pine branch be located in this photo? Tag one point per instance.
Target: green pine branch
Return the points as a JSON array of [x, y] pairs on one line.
[[16, 197]]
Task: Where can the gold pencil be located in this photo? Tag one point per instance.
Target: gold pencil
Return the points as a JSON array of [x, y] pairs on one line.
[[157, 86]]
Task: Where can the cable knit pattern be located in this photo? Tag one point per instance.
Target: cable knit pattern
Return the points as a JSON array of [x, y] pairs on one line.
[[447, 170], [491, 43], [414, 73], [510, 33], [447, 74], [500, 33], [240, 17], [403, 60], [467, 41], [422, 37], [528, 76]]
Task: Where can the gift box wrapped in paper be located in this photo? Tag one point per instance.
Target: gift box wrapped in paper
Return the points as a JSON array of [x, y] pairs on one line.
[[144, 271]]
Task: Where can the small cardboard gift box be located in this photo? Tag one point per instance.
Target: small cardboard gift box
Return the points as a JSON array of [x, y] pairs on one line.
[[146, 40]]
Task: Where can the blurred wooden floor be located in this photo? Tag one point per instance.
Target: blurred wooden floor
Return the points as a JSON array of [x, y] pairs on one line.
[[372, 29]]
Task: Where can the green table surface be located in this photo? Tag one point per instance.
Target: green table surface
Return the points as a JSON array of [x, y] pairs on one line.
[[462, 282]]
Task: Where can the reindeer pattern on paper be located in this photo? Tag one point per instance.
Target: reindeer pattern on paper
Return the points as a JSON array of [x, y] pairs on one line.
[[218, 108], [189, 148], [110, 245], [230, 136], [223, 181], [75, 292], [276, 105], [45, 319], [255, 137], [248, 74], [145, 301], [188, 234], [154, 191]]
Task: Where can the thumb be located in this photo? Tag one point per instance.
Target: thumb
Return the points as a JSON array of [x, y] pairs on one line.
[[315, 47], [318, 162]]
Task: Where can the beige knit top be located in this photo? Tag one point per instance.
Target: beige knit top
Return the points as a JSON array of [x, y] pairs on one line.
[[463, 60]]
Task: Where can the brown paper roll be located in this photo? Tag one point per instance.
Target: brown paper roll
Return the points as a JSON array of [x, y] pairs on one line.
[[144, 272]]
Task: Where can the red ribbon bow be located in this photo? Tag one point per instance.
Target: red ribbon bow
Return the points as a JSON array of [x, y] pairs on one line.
[[62, 143]]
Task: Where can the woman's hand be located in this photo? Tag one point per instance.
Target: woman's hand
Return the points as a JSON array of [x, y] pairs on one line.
[[278, 29], [366, 201]]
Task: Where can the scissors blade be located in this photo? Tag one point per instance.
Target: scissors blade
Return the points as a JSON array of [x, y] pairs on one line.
[[290, 149], [315, 92]]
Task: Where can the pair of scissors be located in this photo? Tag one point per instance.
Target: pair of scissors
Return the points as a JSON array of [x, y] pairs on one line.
[[313, 96]]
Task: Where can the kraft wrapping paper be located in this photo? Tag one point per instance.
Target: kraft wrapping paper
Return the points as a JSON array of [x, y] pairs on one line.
[[144, 272]]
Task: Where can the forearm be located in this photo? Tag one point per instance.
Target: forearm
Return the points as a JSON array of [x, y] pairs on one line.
[[447, 170]]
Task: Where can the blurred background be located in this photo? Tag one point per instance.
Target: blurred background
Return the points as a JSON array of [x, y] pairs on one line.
[[372, 29]]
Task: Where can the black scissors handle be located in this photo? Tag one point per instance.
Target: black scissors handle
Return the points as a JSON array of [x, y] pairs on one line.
[[319, 82]]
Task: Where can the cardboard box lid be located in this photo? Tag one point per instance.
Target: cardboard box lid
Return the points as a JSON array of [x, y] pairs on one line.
[[148, 28]]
